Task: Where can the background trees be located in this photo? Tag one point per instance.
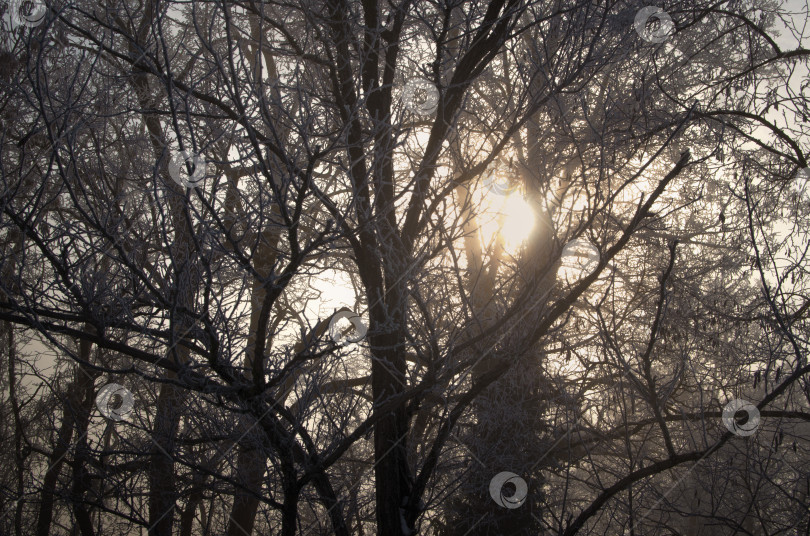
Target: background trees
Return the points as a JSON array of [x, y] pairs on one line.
[[421, 166]]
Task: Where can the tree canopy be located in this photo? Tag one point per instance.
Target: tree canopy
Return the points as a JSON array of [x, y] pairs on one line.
[[404, 267]]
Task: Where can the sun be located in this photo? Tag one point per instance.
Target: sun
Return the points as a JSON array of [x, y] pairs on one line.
[[509, 217]]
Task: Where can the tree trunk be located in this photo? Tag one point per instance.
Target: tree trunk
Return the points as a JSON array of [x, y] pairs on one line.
[[251, 461], [162, 497], [81, 478], [75, 417]]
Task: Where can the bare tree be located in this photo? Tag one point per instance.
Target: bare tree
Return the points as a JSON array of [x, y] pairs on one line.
[[392, 268]]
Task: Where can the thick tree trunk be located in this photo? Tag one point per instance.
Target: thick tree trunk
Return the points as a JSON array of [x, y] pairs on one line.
[[18, 430], [251, 461], [507, 430], [55, 463], [250, 473], [76, 411], [393, 479], [187, 517], [12, 250], [162, 493], [391, 471], [81, 478]]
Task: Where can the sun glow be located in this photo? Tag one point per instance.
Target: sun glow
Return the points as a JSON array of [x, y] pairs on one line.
[[509, 216]]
